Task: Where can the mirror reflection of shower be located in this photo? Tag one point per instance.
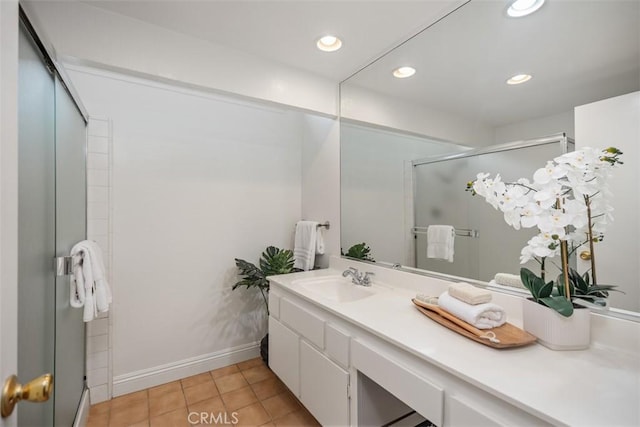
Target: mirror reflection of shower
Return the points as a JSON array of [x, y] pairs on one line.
[[491, 246]]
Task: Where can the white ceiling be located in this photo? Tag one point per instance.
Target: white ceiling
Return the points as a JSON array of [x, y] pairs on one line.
[[578, 52], [286, 31]]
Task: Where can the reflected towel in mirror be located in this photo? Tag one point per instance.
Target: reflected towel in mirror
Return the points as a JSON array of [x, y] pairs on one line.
[[440, 242]]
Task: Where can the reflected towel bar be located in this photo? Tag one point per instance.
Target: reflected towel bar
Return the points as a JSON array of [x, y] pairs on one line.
[[325, 224], [462, 232]]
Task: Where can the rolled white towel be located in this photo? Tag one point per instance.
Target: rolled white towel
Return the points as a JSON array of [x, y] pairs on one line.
[[506, 279], [470, 294], [482, 316]]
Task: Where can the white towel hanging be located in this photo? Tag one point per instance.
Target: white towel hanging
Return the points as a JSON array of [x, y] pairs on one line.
[[304, 250], [440, 242], [89, 287]]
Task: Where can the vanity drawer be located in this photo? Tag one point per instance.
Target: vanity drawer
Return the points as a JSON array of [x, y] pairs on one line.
[[300, 320], [462, 413], [274, 305], [337, 344], [422, 395]]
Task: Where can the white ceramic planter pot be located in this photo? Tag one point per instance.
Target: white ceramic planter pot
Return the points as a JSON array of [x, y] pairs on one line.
[[555, 331]]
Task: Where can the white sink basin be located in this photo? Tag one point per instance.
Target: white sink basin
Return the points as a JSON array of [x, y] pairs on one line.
[[334, 288]]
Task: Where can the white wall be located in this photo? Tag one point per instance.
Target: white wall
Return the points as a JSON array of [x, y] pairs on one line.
[[8, 193], [536, 128], [616, 122], [197, 180], [364, 105], [321, 179], [94, 35]]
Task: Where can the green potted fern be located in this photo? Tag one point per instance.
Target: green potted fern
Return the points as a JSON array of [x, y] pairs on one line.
[[272, 262], [359, 251]]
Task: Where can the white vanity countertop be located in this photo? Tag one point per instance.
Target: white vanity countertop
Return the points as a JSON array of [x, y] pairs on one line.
[[598, 386]]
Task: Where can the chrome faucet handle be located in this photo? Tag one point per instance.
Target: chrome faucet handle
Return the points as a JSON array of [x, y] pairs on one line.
[[367, 279], [350, 270]]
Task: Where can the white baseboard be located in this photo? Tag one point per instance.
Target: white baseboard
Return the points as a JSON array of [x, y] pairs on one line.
[[83, 410], [140, 380]]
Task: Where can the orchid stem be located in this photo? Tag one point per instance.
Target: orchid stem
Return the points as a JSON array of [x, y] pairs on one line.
[[564, 256], [565, 268], [587, 202]]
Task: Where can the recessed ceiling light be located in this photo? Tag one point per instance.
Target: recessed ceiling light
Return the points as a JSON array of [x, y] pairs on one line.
[[519, 8], [519, 78], [329, 43], [404, 72]]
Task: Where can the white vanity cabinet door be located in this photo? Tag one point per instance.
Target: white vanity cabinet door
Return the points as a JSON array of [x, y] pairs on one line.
[[323, 387], [284, 355]]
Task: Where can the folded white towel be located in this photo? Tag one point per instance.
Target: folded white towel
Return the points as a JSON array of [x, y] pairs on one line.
[[440, 242], [89, 287], [304, 250], [506, 279], [470, 294], [482, 316]]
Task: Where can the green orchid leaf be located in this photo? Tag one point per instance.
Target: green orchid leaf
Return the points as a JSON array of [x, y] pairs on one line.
[[560, 286], [545, 290], [532, 282], [579, 283], [603, 288], [559, 304]]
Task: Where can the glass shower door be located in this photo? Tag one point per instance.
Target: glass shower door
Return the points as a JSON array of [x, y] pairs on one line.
[[440, 199], [70, 229], [36, 226], [52, 217]]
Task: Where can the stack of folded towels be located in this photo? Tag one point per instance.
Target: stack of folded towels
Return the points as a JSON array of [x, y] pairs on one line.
[[473, 305]]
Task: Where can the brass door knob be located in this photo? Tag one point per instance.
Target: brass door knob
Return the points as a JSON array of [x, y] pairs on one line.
[[37, 390], [585, 255]]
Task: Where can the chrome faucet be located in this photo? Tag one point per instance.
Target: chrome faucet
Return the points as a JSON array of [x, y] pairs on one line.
[[358, 278]]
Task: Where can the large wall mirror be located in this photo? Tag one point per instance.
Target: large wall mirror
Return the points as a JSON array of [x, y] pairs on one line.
[[409, 145]]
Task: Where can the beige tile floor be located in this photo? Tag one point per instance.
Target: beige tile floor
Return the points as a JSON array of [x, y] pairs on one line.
[[247, 392]]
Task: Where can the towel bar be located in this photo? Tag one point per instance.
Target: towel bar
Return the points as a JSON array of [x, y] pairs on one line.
[[325, 224], [462, 232]]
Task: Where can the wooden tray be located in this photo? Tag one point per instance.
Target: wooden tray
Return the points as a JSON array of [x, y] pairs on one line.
[[510, 336]]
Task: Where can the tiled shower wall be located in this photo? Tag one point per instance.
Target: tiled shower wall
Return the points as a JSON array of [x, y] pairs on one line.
[[99, 343]]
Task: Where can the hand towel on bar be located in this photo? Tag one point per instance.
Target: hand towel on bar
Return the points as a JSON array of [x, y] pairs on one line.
[[319, 241], [89, 287], [304, 249], [470, 294], [482, 316], [440, 242]]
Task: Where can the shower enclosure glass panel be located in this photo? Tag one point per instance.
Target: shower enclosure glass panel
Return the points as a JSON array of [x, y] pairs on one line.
[[36, 226], [52, 218], [440, 199], [71, 205]]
